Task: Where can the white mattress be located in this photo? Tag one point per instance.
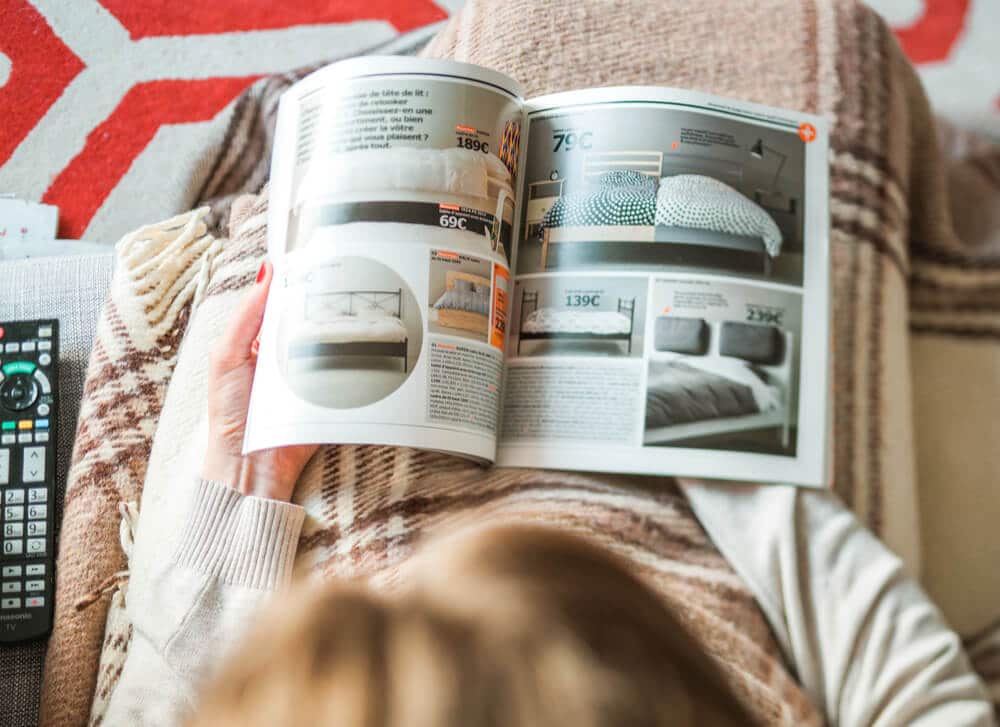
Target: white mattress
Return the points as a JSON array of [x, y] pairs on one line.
[[552, 320], [349, 329], [441, 171]]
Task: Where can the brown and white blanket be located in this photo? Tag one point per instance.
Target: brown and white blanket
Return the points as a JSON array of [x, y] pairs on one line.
[[916, 348]]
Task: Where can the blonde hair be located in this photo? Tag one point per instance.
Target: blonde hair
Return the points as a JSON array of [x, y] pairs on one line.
[[504, 627]]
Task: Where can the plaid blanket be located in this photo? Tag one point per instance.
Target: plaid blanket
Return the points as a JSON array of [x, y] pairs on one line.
[[917, 297]]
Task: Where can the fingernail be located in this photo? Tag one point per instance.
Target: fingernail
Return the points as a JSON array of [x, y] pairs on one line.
[[263, 269]]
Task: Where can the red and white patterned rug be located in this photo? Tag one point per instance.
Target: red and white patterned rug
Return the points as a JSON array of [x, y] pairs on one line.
[[112, 109]]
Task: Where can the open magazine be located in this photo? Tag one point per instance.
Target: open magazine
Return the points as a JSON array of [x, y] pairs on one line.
[[624, 279]]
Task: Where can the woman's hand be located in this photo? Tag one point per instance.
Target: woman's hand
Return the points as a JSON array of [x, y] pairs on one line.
[[269, 473]]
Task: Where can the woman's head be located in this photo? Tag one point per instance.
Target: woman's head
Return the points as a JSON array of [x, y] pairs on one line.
[[506, 626]]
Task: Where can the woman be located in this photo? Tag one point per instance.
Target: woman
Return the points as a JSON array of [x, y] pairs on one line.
[[856, 631]]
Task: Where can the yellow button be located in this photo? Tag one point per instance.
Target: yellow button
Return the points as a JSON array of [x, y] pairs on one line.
[[24, 424]]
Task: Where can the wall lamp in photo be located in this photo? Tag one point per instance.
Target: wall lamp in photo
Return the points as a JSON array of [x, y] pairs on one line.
[[771, 196]]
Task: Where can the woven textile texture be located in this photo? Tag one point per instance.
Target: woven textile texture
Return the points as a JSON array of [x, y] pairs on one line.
[[72, 290]]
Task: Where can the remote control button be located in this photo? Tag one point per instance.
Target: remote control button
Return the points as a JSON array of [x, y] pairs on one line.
[[33, 465], [13, 547], [38, 494], [4, 466], [42, 423], [18, 367], [34, 585], [45, 331], [43, 411], [12, 571], [37, 512], [36, 546], [9, 425], [12, 348], [8, 603], [41, 436], [13, 530], [8, 438], [27, 347], [44, 360], [35, 602], [34, 569], [13, 513], [13, 497], [24, 438], [45, 345], [11, 587], [19, 391], [35, 527], [43, 381], [25, 424]]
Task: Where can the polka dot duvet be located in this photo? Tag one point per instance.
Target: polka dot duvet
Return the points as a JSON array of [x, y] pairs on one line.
[[703, 203], [693, 201]]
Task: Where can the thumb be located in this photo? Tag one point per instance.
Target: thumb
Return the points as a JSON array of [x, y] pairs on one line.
[[234, 347]]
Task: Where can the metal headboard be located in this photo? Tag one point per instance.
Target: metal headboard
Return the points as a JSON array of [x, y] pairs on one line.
[[390, 301]]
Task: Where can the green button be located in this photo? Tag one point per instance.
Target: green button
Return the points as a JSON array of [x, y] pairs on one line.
[[19, 367], [8, 425]]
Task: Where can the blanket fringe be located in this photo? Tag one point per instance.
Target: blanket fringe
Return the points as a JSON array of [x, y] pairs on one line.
[[129, 512]]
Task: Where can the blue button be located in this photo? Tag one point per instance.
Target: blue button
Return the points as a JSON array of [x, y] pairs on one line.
[[41, 424]]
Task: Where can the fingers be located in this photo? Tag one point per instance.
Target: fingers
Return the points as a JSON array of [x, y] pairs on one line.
[[237, 343]]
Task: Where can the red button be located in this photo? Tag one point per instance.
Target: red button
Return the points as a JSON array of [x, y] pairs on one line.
[[1, 331]]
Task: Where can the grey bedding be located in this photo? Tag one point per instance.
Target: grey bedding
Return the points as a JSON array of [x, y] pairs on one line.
[[678, 393], [681, 335], [753, 342], [466, 296]]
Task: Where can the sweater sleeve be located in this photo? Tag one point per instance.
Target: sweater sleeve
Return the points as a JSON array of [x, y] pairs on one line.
[[189, 608], [863, 638]]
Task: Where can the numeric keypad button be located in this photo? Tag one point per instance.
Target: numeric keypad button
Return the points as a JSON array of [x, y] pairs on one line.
[[38, 495], [13, 513], [35, 527], [37, 512], [13, 547], [36, 546], [13, 530], [13, 497]]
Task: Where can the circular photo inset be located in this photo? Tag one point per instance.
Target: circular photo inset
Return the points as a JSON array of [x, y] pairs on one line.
[[351, 332]]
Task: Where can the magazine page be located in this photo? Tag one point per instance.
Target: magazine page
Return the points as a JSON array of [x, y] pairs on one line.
[[670, 313], [390, 224]]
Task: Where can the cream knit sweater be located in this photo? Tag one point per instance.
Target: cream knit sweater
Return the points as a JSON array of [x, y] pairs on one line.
[[866, 643]]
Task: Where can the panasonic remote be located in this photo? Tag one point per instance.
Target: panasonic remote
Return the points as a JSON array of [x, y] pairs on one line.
[[29, 354]]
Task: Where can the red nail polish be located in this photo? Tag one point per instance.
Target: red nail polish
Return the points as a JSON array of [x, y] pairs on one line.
[[260, 273]]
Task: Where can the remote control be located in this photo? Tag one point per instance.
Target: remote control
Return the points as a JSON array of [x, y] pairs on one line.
[[29, 352]]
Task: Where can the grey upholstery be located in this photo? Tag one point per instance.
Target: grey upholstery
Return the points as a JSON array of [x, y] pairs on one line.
[[752, 342], [73, 290], [681, 335]]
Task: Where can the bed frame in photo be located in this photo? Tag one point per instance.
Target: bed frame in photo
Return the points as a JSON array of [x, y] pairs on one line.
[[596, 163], [625, 306], [461, 319], [390, 301], [780, 418], [657, 165]]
